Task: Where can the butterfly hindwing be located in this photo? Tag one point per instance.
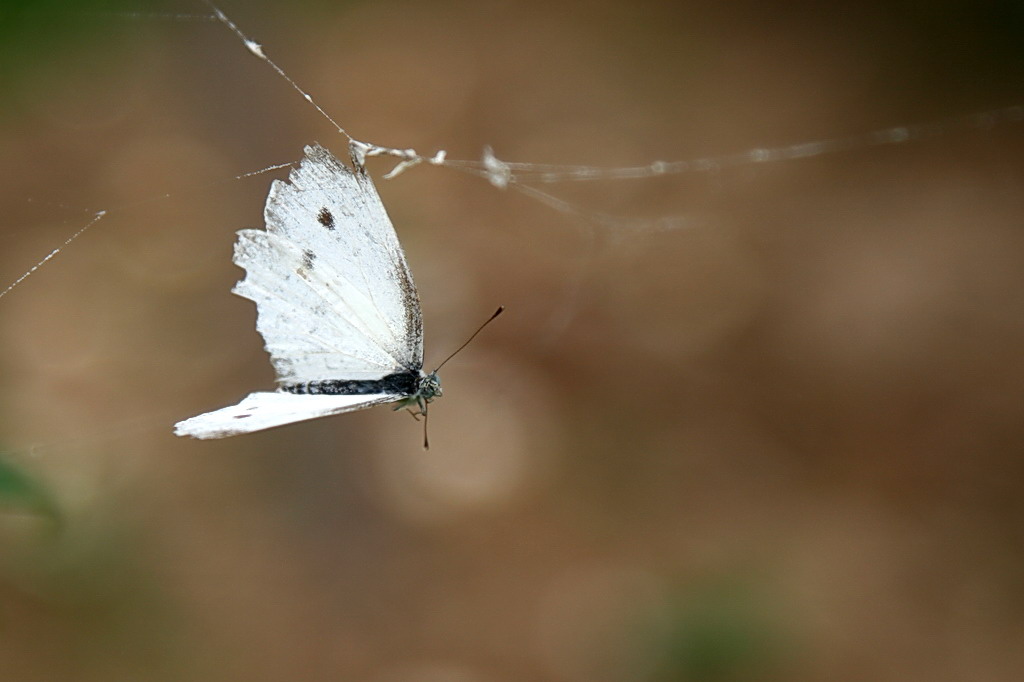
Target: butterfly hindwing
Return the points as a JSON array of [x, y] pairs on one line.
[[265, 410]]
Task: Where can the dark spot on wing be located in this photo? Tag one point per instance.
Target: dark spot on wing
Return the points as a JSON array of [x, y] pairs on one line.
[[307, 259], [325, 218], [242, 416]]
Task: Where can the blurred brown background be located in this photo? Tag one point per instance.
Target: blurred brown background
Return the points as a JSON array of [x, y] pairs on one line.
[[782, 443]]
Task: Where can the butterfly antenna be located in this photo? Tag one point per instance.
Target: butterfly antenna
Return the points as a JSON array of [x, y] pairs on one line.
[[490, 319]]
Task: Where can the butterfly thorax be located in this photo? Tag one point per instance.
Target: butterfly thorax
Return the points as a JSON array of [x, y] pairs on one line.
[[428, 387]]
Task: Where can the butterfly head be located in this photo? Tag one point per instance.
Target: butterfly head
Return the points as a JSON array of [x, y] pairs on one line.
[[429, 387]]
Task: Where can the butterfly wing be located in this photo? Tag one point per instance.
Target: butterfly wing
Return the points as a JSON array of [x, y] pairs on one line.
[[334, 297], [333, 293], [266, 410]]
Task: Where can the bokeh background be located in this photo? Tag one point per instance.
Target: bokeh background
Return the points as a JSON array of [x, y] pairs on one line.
[[782, 441]]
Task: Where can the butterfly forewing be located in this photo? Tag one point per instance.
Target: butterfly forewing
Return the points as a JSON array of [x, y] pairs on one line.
[[334, 295], [306, 313]]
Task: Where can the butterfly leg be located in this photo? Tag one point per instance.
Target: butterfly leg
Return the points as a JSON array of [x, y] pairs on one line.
[[418, 409]]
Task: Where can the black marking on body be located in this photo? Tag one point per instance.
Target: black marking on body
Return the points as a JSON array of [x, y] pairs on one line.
[[326, 218], [402, 383], [307, 259]]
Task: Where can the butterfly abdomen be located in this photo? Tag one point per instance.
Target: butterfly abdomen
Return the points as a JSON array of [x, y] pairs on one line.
[[405, 383]]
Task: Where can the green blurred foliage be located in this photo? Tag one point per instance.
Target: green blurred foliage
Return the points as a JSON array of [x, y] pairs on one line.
[[22, 492], [718, 631], [80, 575], [41, 34]]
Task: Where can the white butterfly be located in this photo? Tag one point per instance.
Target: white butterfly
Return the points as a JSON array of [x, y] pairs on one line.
[[335, 303]]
